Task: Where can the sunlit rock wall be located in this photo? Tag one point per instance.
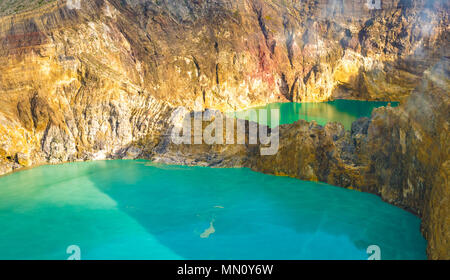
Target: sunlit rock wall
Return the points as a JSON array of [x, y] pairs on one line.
[[88, 81], [101, 81]]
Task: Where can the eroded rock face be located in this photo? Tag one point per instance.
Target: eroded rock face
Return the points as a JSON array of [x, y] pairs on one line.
[[409, 156], [103, 80], [91, 80]]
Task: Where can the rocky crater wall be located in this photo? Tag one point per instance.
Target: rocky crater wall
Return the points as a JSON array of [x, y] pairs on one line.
[[102, 81]]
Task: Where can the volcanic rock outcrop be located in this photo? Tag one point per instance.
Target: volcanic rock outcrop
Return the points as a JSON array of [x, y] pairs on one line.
[[100, 79]]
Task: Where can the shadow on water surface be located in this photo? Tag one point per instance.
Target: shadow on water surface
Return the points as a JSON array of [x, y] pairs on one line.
[[239, 214], [142, 210]]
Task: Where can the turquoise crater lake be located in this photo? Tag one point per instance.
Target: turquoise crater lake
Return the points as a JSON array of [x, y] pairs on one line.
[[141, 210], [343, 111]]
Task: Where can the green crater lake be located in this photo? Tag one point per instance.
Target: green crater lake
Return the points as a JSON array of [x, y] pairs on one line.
[[129, 209], [343, 111]]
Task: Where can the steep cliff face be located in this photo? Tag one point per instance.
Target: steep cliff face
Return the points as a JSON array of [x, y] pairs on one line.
[[87, 79], [243, 53], [71, 87], [102, 79]]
